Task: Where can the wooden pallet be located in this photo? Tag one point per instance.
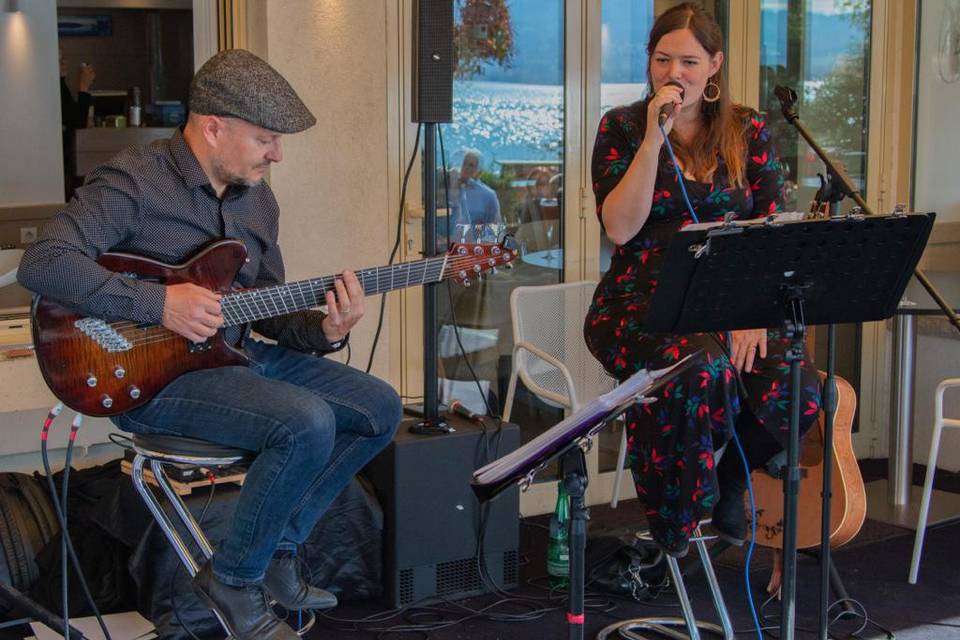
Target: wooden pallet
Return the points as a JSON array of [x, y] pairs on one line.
[[184, 488]]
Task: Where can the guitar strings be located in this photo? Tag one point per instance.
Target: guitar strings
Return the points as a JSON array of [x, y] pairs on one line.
[[283, 293], [276, 294]]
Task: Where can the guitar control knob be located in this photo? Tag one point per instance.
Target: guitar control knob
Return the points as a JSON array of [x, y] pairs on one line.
[[120, 372], [134, 391], [91, 380], [106, 401]]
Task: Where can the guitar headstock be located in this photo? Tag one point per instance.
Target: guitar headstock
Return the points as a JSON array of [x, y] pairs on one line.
[[468, 261]]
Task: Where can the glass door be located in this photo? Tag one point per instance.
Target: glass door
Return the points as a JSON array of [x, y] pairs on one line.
[[821, 49], [503, 172]]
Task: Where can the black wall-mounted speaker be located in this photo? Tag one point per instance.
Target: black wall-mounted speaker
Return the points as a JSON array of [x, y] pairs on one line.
[[432, 60], [431, 515]]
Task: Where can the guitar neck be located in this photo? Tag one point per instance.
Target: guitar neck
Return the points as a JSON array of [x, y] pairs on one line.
[[268, 302]]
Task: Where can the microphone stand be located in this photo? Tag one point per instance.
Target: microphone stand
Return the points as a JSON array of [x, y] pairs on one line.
[[834, 188], [432, 422], [788, 99]]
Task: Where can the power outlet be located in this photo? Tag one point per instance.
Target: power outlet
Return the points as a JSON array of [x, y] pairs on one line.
[[28, 235]]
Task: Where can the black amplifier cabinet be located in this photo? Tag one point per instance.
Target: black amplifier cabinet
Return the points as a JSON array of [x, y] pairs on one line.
[[431, 516]]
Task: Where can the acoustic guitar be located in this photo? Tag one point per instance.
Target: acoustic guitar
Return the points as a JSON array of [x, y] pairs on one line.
[[848, 507], [102, 368]]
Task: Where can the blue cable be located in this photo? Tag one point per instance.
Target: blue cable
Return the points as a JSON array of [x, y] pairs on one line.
[[753, 536], [753, 522], [676, 166]]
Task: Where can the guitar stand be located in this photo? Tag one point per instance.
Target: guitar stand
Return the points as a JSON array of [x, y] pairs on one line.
[[836, 584]]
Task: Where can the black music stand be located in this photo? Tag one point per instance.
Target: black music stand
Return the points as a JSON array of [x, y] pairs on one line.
[[774, 272], [567, 441]]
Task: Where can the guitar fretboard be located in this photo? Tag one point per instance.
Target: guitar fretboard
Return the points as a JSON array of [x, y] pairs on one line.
[[267, 302]]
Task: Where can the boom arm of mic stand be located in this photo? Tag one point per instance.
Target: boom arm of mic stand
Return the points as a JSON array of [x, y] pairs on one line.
[[788, 98]]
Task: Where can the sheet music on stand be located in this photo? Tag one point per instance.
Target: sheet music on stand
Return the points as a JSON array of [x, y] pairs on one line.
[[525, 461], [863, 255]]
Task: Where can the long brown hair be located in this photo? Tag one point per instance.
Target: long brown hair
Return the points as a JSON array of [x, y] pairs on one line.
[[723, 121]]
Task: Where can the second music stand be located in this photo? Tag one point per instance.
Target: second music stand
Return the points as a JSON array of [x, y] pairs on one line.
[[567, 441]]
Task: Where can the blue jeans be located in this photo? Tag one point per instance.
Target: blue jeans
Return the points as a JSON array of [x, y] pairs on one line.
[[313, 422]]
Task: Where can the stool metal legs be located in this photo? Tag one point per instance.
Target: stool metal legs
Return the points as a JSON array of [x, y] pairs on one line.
[[163, 520], [687, 627], [189, 522]]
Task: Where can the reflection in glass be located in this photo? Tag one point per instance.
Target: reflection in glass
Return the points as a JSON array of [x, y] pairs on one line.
[[822, 50], [507, 137]]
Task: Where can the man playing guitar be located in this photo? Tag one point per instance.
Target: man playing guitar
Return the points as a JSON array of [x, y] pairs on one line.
[[313, 422]]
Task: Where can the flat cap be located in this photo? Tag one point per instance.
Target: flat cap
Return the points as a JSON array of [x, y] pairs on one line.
[[237, 83]]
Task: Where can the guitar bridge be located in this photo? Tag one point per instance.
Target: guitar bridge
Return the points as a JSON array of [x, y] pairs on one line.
[[103, 334]]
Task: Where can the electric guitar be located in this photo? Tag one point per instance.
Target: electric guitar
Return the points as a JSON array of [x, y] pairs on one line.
[[102, 368]]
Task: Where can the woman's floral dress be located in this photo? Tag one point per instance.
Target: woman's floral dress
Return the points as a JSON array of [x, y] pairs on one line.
[[672, 441]]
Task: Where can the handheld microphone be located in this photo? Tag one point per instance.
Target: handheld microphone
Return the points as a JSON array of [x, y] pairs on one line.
[[457, 407], [667, 110]]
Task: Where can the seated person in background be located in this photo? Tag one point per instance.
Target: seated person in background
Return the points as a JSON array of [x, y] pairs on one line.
[[540, 187], [475, 202], [312, 421]]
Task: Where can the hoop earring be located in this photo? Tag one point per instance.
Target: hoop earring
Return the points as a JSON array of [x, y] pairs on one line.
[[716, 89]]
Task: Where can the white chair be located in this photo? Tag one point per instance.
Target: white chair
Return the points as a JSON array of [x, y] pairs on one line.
[[549, 352], [939, 422]]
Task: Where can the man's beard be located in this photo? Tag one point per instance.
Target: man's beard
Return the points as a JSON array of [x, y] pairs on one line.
[[229, 178]]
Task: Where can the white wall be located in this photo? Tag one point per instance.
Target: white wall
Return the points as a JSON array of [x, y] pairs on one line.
[[333, 183], [936, 187], [31, 156]]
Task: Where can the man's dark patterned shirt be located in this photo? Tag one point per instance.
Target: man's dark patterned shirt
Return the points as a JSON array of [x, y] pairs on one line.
[[157, 202]]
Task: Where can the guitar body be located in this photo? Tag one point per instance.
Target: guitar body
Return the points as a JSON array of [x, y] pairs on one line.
[[848, 506], [98, 381]]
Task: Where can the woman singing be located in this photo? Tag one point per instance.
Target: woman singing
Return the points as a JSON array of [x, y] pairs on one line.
[[742, 382]]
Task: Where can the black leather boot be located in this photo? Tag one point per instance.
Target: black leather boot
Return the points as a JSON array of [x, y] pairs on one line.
[[729, 517], [284, 582], [244, 609]]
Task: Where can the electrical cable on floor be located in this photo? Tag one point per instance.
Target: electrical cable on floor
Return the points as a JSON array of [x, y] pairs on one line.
[[772, 624], [396, 245], [61, 513]]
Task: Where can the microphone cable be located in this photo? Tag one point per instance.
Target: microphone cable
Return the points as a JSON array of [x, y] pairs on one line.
[[676, 166]]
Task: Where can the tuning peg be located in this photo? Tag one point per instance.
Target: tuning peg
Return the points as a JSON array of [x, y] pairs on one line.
[[493, 271], [466, 282]]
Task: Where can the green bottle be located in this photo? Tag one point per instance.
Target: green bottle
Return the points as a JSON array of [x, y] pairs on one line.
[[558, 549]]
